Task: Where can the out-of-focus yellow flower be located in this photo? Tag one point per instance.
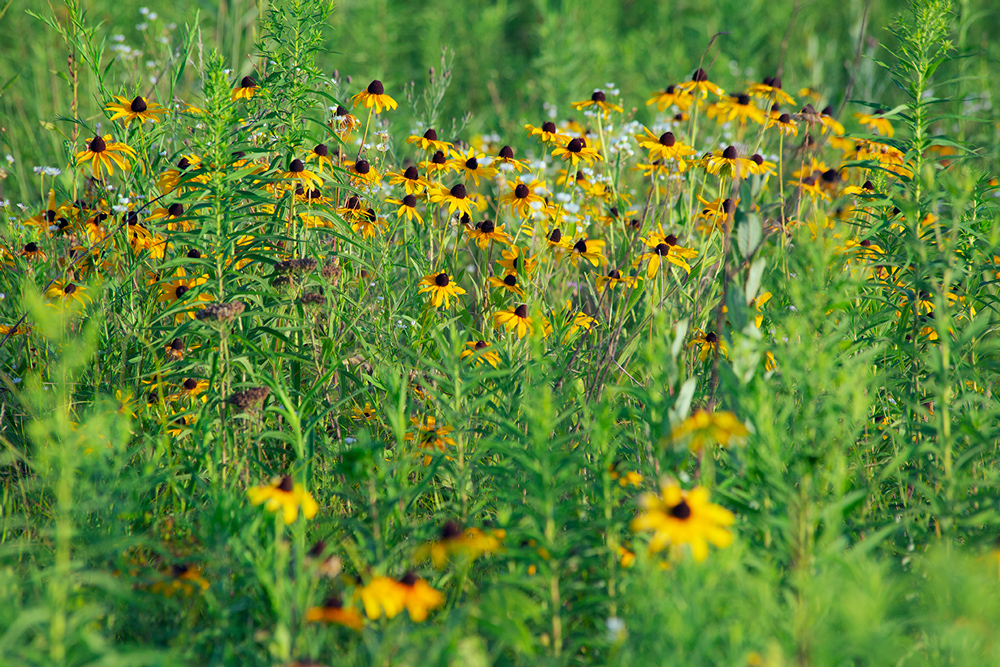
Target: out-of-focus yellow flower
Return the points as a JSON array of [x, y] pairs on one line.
[[282, 494]]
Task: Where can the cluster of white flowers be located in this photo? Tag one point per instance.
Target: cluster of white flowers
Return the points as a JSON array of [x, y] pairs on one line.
[[47, 171]]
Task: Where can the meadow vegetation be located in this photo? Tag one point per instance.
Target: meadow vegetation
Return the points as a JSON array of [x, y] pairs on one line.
[[525, 333]]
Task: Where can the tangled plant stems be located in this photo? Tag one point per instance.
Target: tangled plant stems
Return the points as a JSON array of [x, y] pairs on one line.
[[720, 385]]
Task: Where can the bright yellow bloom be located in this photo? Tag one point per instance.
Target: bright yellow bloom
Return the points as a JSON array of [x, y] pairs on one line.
[[671, 95], [244, 91], [429, 142], [102, 153], [441, 288], [679, 517], [664, 147], [728, 164], [481, 352], [600, 100], [876, 122], [469, 543], [137, 109], [736, 107], [709, 343], [67, 293], [703, 428], [374, 96], [517, 319], [575, 151], [282, 494], [334, 611], [590, 250]]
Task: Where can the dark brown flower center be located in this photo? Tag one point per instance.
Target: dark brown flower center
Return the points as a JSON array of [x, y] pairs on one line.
[[681, 510], [574, 146], [175, 210], [342, 111], [138, 105], [506, 153], [865, 244], [97, 145], [580, 246], [353, 203], [472, 163], [322, 150], [548, 126], [510, 281], [180, 291], [728, 206], [409, 200], [784, 119], [831, 175], [409, 579], [248, 82], [598, 96], [487, 226], [183, 164], [450, 530], [194, 253], [710, 337], [662, 249], [362, 167], [49, 215], [521, 311], [376, 88], [296, 167], [286, 484], [411, 173], [742, 99], [758, 159], [439, 158], [670, 90], [190, 384], [828, 111], [458, 191], [480, 344], [431, 134], [668, 139], [670, 240], [869, 186], [729, 153], [69, 289], [441, 280], [177, 345], [555, 236], [699, 75], [615, 274], [521, 191]]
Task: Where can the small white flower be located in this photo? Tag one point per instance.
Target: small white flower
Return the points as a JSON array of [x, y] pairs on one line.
[[144, 10], [616, 629]]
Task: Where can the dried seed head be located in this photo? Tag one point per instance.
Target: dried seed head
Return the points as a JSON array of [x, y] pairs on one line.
[[312, 299], [249, 400], [221, 312]]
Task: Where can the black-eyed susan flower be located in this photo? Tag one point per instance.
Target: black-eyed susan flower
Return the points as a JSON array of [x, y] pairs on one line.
[[429, 141], [785, 124], [298, 174], [678, 517], [480, 351], [522, 200], [382, 595], [547, 133], [285, 496], [810, 186], [591, 250], [829, 123], [374, 96], [362, 173], [736, 107], [613, 279], [137, 109], [671, 96], [577, 150], [172, 178], [246, 89], [516, 262], [103, 154], [333, 611], [419, 597], [174, 216], [471, 165], [468, 543], [486, 231], [407, 207], [191, 388], [762, 167], [321, 155], [67, 293], [343, 122], [770, 89], [728, 164], [441, 289], [437, 166], [33, 252], [456, 198], [410, 179], [366, 413], [517, 319], [710, 343], [175, 349], [598, 99], [177, 290], [699, 86], [624, 479], [580, 321], [663, 249], [720, 427], [876, 122], [664, 147], [429, 435], [368, 223], [556, 242], [505, 161], [508, 284]]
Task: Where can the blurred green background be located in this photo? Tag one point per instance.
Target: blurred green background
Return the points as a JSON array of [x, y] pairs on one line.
[[510, 56]]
